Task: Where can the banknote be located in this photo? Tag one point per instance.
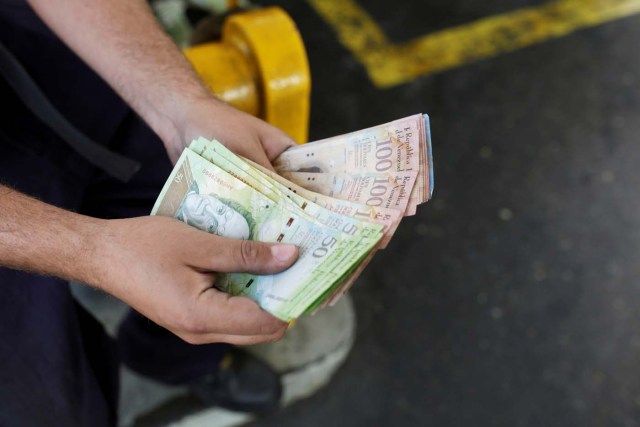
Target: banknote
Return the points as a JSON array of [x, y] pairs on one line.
[[348, 153], [389, 218], [344, 287], [335, 294], [400, 146], [203, 195], [259, 176], [389, 190], [367, 233]]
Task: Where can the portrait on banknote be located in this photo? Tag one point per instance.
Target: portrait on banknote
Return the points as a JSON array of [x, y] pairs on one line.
[[215, 215]]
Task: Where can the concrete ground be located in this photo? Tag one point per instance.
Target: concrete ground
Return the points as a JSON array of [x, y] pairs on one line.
[[512, 298]]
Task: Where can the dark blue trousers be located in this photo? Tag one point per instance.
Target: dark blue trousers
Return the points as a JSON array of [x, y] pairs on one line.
[[57, 364]]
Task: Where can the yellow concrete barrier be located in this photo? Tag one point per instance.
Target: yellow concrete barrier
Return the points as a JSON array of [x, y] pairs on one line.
[[260, 66]]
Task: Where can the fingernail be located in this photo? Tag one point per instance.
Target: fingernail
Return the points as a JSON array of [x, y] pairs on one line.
[[283, 252]]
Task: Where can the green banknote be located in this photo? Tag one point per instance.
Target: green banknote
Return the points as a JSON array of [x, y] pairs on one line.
[[206, 196], [366, 233]]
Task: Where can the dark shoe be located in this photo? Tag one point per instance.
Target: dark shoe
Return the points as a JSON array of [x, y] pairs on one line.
[[242, 383]]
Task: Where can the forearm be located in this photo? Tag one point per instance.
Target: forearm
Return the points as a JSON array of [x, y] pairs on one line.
[[172, 284], [38, 237], [122, 41]]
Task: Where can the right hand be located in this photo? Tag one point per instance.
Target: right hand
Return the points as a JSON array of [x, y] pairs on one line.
[[166, 270], [240, 132]]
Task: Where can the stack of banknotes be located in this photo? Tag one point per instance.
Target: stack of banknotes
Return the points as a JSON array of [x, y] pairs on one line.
[[339, 200]]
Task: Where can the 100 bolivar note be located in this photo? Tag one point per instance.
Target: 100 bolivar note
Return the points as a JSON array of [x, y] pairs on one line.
[[403, 145]]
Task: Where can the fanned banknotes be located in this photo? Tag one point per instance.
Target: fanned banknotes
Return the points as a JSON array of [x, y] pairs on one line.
[[339, 200], [400, 146]]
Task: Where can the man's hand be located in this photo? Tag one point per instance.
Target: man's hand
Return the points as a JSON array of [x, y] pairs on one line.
[[166, 270], [161, 267], [240, 132]]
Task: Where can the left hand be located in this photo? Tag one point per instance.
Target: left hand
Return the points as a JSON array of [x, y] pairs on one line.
[[167, 270], [240, 132]]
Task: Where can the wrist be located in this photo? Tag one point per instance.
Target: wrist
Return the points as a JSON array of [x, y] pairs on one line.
[[88, 250], [170, 117], [186, 118]]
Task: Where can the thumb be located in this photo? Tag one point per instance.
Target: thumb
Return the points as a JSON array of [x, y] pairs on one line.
[[275, 141], [246, 256]]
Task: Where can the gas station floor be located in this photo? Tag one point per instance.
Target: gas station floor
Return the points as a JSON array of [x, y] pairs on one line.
[[513, 297]]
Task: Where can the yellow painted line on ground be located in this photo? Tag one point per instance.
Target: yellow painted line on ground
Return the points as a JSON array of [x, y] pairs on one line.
[[391, 64]]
